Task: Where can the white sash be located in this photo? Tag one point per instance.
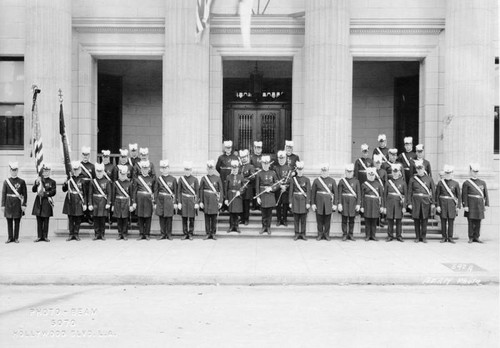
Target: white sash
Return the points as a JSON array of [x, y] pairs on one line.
[[362, 163], [395, 188], [455, 199], [382, 154], [211, 185], [18, 195], [349, 187], [379, 178], [164, 184], [141, 179], [406, 159], [99, 188], [188, 186], [476, 187], [372, 188], [299, 187], [120, 187], [86, 171], [325, 186], [423, 185], [107, 176], [77, 189]]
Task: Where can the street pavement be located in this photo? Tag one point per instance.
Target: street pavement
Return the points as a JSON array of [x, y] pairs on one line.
[[259, 260], [249, 316]]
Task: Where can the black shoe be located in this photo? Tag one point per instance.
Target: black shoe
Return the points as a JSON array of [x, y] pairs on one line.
[[119, 237], [262, 230], [344, 238], [351, 237], [46, 240], [424, 240], [9, 241], [207, 237], [470, 240], [400, 239], [417, 240], [103, 238], [125, 238], [163, 236], [296, 237], [246, 223], [67, 239], [477, 240], [268, 230], [169, 237], [328, 238], [278, 223], [38, 240], [303, 236], [443, 240], [190, 237], [451, 241], [214, 237], [375, 239], [147, 237], [185, 237], [95, 238], [141, 237], [77, 238], [285, 223], [367, 239], [318, 238], [17, 241], [389, 239]]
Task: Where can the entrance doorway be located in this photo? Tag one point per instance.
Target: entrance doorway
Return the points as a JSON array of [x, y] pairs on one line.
[[257, 103]]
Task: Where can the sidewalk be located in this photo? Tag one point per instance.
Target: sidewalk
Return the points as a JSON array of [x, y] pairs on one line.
[[240, 260]]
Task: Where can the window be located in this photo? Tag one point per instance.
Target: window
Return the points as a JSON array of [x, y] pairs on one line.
[[11, 103]]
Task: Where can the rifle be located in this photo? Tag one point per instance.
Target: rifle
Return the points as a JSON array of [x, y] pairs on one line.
[[272, 186], [286, 179], [245, 184]]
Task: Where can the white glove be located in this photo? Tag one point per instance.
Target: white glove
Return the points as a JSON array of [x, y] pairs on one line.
[[283, 188], [220, 205], [175, 206], [381, 210], [433, 207], [268, 189], [84, 207], [3, 210], [91, 207], [290, 205], [154, 206], [113, 208], [259, 201], [314, 207], [197, 206], [466, 209], [131, 208], [334, 207], [357, 208], [226, 202], [23, 208], [410, 207], [179, 206], [202, 206], [107, 206], [485, 208], [340, 208], [238, 193], [438, 210], [403, 210], [362, 209], [308, 206]]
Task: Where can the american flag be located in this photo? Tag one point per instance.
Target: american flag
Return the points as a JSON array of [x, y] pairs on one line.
[[202, 16], [36, 134]]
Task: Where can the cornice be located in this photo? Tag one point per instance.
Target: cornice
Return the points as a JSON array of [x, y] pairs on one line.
[[268, 24]]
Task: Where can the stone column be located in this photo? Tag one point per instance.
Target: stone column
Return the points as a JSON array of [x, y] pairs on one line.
[[468, 122], [185, 87], [328, 84], [47, 63]]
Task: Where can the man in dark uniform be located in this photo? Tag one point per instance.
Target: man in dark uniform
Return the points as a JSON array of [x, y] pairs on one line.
[[349, 201], [448, 201], [123, 161], [110, 170], [362, 164], [88, 173], [388, 165], [256, 158], [324, 199], [421, 198], [211, 198], [45, 189], [100, 195], [144, 188], [420, 156], [166, 200], [75, 203], [266, 183], [381, 177], [14, 200], [406, 158], [134, 155], [475, 200], [372, 203], [395, 194], [300, 201], [248, 171], [144, 157], [187, 200], [223, 165], [123, 200], [256, 161], [284, 173], [382, 148], [234, 190], [291, 158]]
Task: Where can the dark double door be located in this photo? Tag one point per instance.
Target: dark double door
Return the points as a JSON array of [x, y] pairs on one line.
[[269, 122]]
